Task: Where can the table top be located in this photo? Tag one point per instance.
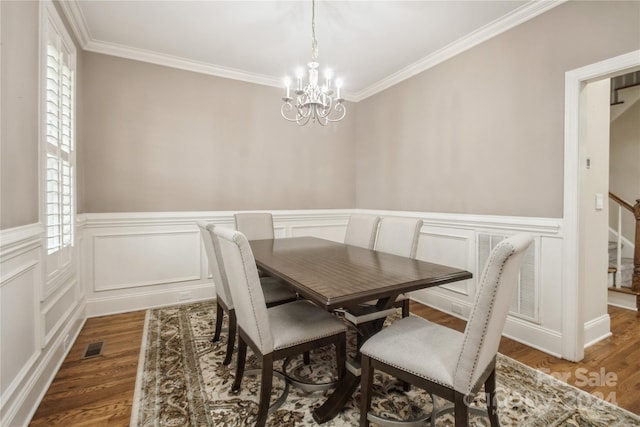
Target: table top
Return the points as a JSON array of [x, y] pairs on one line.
[[336, 275]]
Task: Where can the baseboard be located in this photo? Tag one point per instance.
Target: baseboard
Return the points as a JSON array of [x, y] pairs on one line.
[[26, 402], [149, 299], [626, 301], [596, 330]]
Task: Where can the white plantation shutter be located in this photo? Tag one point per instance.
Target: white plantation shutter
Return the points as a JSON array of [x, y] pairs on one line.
[[59, 63]]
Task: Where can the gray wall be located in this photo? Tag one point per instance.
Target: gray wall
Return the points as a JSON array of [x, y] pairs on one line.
[[20, 79], [19, 114], [161, 139], [483, 133]]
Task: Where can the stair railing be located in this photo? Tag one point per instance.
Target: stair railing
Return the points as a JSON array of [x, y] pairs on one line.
[[635, 210]]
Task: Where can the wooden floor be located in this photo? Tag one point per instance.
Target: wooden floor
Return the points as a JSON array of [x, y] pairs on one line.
[[99, 391]]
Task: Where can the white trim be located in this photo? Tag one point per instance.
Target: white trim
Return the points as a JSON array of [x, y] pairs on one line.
[[30, 394], [124, 303], [180, 63], [76, 21], [119, 286], [572, 292], [5, 278], [516, 17], [17, 238], [547, 226], [136, 219], [64, 317], [597, 329], [621, 300], [330, 223]]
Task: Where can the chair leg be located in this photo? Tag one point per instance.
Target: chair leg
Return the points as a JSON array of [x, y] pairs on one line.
[[366, 384], [219, 316], [341, 357], [231, 338], [405, 308], [492, 404], [306, 358], [265, 389], [242, 356], [461, 410]]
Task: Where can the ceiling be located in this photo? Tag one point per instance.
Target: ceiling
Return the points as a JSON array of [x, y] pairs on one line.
[[371, 45]]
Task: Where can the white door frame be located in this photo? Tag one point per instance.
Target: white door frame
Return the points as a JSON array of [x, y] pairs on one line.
[[572, 291]]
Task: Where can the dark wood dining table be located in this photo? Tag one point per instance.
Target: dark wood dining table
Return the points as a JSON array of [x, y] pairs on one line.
[[338, 276]]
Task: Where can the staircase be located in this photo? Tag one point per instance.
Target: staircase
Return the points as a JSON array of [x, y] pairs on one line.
[[624, 272], [622, 280]]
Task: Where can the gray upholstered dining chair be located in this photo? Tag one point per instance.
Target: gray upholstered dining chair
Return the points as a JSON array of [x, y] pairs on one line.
[[277, 332], [452, 365], [399, 236], [361, 231], [275, 292], [255, 225]]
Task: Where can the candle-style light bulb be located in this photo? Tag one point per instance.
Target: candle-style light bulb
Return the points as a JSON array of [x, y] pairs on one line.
[[338, 87], [287, 84], [299, 76], [328, 74]]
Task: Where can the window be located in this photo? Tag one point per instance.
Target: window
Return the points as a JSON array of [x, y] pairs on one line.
[[58, 86]]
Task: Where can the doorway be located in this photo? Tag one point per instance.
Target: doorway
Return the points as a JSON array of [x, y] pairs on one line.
[[573, 289]]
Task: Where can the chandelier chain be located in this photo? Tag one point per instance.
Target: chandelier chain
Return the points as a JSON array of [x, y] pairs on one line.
[[314, 42]]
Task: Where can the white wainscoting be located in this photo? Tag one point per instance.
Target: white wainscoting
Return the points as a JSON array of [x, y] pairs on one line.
[[36, 316], [455, 240], [142, 260], [134, 261]]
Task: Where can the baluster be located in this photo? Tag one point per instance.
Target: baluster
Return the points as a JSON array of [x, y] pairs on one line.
[[635, 281]]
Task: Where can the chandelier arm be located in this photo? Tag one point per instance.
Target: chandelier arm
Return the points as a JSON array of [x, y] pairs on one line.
[[339, 108], [286, 107], [303, 120]]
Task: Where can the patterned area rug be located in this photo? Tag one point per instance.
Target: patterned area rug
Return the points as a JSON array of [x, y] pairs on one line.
[[182, 382]]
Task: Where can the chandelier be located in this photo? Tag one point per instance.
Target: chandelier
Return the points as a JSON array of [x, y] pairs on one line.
[[319, 104]]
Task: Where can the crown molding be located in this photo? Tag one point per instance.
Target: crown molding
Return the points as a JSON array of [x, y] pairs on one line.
[[499, 26], [180, 63], [76, 20], [79, 27]]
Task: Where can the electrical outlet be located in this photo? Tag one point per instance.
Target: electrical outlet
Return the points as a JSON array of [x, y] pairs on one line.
[[184, 296]]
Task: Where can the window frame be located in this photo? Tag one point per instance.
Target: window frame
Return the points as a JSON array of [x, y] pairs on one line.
[[59, 261]]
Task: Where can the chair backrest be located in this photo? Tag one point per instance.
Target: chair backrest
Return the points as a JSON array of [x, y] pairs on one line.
[[399, 236], [255, 225], [361, 231], [490, 309], [245, 287], [215, 266]]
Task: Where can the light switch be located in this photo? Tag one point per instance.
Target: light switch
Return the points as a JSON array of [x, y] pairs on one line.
[[599, 202]]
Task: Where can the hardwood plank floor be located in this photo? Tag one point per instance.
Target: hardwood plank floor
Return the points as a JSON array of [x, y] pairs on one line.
[[99, 391], [96, 391]]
